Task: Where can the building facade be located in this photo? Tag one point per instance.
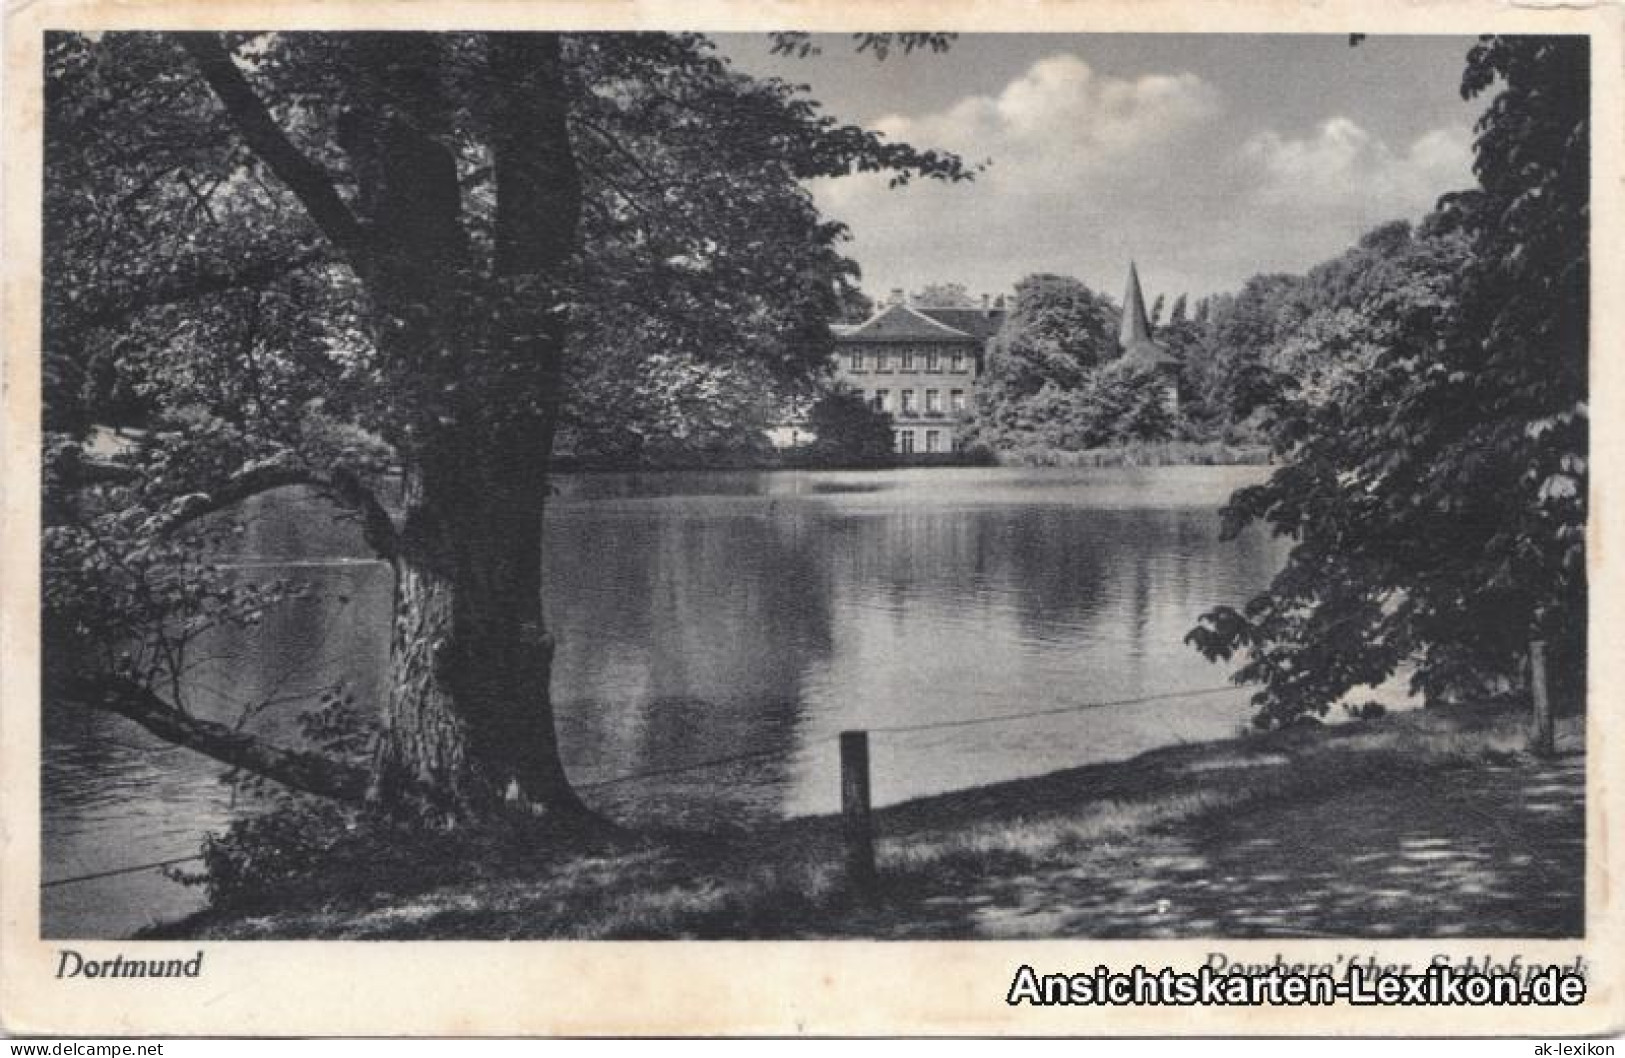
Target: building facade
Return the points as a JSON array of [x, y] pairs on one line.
[[920, 364]]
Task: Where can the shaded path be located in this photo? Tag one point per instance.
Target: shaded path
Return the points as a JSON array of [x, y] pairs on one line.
[[1488, 851], [1433, 823]]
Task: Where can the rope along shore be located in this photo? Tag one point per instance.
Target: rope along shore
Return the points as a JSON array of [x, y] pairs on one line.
[[715, 762]]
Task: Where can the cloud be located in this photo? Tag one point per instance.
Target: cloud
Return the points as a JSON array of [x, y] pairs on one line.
[[1090, 170], [1056, 121], [1342, 168], [1068, 146], [1061, 108]]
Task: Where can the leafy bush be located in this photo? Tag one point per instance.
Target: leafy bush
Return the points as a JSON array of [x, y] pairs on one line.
[[1116, 404], [264, 861], [849, 431], [1429, 409]]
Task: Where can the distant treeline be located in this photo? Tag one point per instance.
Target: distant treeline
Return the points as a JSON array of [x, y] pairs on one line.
[[805, 458], [1140, 454]]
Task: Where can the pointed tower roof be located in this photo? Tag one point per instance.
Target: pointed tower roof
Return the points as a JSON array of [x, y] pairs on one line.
[[1135, 333], [1136, 326]]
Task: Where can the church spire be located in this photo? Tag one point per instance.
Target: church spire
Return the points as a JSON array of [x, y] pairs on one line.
[[1136, 326]]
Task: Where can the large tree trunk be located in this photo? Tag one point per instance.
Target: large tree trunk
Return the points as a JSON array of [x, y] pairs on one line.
[[470, 348], [470, 713]]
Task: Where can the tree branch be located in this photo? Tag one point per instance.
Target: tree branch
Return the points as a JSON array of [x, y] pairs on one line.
[[377, 528], [309, 182], [615, 144], [188, 288], [308, 772], [341, 485]]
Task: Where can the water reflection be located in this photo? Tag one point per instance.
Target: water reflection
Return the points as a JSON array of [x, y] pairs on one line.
[[113, 795], [685, 637], [734, 621], [707, 615]]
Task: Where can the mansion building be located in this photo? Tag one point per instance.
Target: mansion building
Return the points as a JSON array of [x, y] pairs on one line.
[[920, 364]]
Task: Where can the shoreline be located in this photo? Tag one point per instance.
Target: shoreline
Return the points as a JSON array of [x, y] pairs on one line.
[[1147, 454], [1435, 821]]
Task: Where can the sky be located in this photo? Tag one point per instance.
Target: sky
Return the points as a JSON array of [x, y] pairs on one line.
[[1204, 158]]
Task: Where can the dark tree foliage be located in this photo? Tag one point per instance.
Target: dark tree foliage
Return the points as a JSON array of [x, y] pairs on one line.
[[848, 431], [880, 44], [856, 306], [945, 296], [308, 258], [1059, 330], [1116, 404], [1054, 379], [1242, 329], [1121, 403], [1201, 416], [1430, 410]]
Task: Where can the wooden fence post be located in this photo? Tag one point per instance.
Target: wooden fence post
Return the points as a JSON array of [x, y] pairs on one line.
[[1542, 736], [856, 826]]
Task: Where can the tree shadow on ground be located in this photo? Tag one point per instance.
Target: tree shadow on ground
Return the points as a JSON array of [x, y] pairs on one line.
[[1490, 851]]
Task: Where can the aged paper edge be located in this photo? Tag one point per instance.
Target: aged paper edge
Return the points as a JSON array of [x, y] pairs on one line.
[[760, 987]]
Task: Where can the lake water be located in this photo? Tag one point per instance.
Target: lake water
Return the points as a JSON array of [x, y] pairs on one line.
[[707, 615]]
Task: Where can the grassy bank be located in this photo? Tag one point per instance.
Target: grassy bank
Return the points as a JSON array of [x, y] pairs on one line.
[[1426, 824]]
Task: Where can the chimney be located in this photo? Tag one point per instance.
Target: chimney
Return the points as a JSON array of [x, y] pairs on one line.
[[986, 301]]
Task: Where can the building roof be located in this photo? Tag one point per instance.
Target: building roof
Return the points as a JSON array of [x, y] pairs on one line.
[[903, 323], [1139, 348], [976, 322]]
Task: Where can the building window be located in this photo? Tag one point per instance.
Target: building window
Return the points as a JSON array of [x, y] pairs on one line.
[[855, 361], [908, 402], [882, 360], [956, 401], [908, 358], [933, 402], [931, 439], [905, 441], [933, 360], [959, 360], [882, 401]]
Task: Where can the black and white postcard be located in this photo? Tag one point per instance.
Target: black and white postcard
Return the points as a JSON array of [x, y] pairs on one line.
[[961, 502]]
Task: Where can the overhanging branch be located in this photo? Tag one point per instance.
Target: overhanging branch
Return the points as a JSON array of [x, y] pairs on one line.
[[311, 773], [188, 288], [342, 486], [309, 182]]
